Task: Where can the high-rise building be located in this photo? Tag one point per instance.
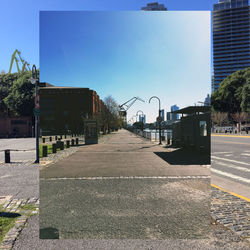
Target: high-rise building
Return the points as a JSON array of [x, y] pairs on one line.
[[231, 38], [162, 115], [154, 6], [174, 116], [207, 100], [142, 118], [168, 116]]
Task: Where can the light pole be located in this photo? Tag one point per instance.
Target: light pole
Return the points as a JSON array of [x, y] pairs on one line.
[[142, 118], [36, 110], [159, 117]]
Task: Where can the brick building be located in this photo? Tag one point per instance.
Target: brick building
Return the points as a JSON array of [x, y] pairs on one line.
[[15, 127], [63, 109]]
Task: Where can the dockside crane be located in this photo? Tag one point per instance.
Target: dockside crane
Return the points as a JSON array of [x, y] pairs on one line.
[[14, 57], [126, 105]]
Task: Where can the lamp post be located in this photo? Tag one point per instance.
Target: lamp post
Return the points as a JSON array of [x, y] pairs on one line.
[[142, 118], [159, 117], [34, 80]]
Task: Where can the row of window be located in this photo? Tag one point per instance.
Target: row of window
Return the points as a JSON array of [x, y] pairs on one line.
[[230, 5], [236, 37]]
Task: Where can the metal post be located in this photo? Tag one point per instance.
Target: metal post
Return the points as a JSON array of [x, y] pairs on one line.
[[34, 80]]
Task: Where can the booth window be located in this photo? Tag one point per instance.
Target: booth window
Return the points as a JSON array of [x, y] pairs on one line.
[[203, 128]]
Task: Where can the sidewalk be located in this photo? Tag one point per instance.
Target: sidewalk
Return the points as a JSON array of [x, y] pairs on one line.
[[98, 197], [124, 188]]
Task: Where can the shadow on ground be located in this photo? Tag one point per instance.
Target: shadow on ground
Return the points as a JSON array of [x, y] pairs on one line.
[[185, 157], [49, 233], [9, 215]]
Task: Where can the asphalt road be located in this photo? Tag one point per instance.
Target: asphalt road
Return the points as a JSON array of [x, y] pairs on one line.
[[22, 149], [230, 163]]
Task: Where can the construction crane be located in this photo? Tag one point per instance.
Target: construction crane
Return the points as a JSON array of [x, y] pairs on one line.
[[25, 66], [126, 105]]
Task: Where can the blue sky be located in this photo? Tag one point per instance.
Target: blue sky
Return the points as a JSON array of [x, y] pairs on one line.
[[20, 20], [128, 53]]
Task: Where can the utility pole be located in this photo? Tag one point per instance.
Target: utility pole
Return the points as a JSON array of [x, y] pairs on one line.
[[34, 80]]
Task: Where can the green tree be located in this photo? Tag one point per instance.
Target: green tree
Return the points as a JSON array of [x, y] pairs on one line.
[[20, 99], [233, 94]]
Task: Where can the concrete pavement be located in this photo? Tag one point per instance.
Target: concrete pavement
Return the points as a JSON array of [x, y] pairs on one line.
[[124, 188]]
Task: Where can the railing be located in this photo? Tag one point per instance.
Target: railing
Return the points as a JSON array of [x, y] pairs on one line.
[[154, 135]]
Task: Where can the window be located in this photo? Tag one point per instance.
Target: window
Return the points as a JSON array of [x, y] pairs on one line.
[[203, 128]]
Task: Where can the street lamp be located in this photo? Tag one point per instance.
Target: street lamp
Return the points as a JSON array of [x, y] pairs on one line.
[[34, 80], [159, 117]]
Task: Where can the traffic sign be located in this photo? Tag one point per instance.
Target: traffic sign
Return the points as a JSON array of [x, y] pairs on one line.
[[37, 99], [159, 119]]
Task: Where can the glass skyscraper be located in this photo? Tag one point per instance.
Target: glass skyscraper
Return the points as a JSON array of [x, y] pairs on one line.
[[231, 38]]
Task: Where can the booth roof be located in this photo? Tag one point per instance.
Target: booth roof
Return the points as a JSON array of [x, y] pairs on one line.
[[193, 110]]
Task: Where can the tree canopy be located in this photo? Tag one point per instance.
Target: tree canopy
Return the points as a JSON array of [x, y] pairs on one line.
[[233, 94], [16, 94]]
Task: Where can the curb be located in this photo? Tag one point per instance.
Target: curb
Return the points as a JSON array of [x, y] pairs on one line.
[[15, 206]]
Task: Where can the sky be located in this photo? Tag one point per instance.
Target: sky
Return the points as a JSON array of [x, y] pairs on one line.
[[129, 53], [20, 20]]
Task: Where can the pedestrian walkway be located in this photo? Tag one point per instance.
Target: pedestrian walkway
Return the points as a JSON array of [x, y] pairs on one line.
[[124, 188], [122, 154]]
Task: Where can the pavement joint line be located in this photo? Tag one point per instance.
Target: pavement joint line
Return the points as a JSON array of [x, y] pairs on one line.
[[232, 193], [235, 136], [128, 177]]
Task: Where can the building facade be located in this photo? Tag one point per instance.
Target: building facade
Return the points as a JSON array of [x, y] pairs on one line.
[[231, 38], [174, 116], [142, 118], [63, 109], [162, 115], [154, 6]]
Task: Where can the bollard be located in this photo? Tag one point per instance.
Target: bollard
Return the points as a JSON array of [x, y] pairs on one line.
[[65, 136], [54, 147], [60, 137], [56, 137], [72, 142], [7, 155], [50, 138], [45, 151], [58, 144], [168, 141], [77, 142], [67, 143], [43, 140], [62, 145]]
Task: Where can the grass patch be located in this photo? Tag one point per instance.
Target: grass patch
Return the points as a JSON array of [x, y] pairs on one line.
[[6, 223], [28, 207]]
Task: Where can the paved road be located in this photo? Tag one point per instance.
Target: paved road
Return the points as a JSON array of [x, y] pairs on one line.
[[230, 160], [124, 188], [25, 146]]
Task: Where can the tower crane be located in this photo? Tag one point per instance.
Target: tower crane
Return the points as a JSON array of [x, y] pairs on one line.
[[126, 105], [25, 66]]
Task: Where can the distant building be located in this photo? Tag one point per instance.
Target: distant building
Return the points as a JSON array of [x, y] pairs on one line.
[[231, 39], [168, 116], [174, 117], [154, 6], [142, 118], [207, 100], [162, 115]]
